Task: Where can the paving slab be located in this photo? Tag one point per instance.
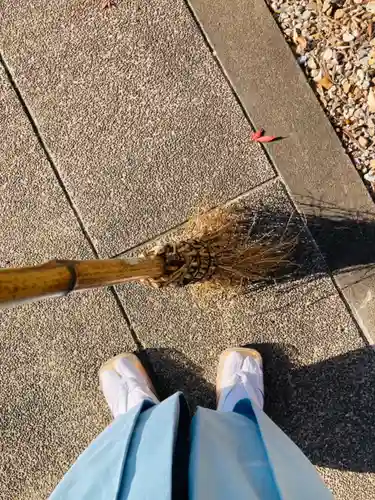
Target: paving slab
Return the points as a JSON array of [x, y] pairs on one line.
[[136, 114], [318, 173], [50, 406], [36, 221], [320, 373], [50, 403]]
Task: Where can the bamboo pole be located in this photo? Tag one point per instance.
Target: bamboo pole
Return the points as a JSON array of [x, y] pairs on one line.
[[61, 277]]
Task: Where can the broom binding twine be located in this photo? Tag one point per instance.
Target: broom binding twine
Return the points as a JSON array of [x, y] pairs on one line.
[[185, 263]]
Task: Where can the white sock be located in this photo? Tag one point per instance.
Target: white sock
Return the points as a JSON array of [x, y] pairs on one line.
[[242, 378], [124, 387]]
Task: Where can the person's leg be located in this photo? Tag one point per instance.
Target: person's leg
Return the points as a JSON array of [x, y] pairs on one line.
[[237, 451], [125, 383], [239, 377]]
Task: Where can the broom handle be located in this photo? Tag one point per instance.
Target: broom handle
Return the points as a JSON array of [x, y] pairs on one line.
[[61, 277]]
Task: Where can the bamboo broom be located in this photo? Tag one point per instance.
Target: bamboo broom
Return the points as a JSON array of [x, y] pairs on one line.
[[216, 246]]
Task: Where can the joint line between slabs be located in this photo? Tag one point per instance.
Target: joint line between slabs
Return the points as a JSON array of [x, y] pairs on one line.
[[47, 154], [138, 343], [172, 229], [222, 70], [63, 187]]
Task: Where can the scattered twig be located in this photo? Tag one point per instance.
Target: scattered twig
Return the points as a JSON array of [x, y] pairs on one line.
[[370, 29], [352, 138], [107, 4]]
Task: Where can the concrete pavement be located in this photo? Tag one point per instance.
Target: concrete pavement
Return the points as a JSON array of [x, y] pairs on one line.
[[115, 124]]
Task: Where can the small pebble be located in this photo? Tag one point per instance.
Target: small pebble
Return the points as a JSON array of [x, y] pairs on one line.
[[348, 37], [370, 176], [306, 15], [326, 5], [327, 55], [346, 51], [360, 75], [311, 63], [339, 14], [346, 86], [318, 76]]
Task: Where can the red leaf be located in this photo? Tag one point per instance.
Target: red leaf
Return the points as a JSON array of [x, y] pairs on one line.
[[254, 136], [258, 136], [266, 138]]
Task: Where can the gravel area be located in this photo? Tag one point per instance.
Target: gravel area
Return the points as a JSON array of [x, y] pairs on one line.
[[334, 42]]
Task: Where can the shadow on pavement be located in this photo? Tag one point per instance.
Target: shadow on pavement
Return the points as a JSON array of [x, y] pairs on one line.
[[346, 240], [327, 408], [172, 371]]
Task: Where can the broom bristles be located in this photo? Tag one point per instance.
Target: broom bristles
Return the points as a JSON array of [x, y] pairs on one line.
[[221, 242]]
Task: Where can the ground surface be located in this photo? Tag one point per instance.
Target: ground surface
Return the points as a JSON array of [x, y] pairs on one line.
[[334, 43], [116, 123]]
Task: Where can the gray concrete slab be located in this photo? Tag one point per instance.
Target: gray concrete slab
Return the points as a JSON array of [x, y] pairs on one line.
[[36, 221], [50, 406], [311, 160], [320, 376], [138, 117]]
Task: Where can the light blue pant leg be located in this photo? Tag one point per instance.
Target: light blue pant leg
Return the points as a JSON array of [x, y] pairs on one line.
[[246, 456], [228, 459], [148, 470], [97, 473], [131, 459], [240, 455]]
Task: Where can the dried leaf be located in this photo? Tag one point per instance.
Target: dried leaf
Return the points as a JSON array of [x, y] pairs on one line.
[[371, 101], [299, 40], [370, 7], [258, 136], [325, 82]]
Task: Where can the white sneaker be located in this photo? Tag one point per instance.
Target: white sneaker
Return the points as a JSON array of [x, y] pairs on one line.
[[239, 376], [125, 383]]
